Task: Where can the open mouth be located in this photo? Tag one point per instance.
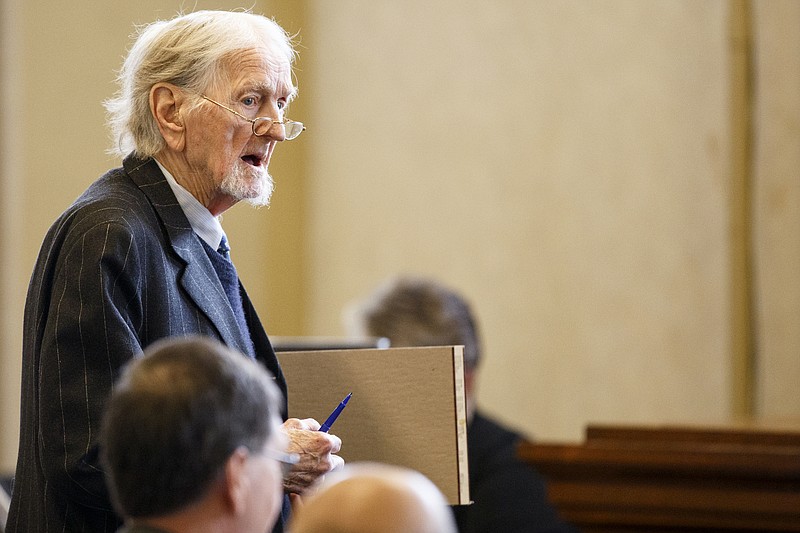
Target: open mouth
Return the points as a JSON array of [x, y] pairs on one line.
[[253, 160]]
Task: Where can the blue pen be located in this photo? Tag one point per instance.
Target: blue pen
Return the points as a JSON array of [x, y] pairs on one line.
[[335, 414]]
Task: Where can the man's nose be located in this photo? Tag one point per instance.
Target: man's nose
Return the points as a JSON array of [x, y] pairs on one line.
[[276, 132]]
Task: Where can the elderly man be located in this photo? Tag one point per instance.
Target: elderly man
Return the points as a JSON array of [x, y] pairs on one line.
[[141, 255], [191, 441]]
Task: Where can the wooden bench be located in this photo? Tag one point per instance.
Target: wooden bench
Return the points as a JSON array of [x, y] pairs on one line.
[[661, 479]]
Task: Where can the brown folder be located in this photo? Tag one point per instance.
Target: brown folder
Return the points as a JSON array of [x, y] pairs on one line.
[[408, 407]]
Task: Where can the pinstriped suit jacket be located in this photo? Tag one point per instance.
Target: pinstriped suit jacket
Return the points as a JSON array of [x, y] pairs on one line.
[[120, 269]]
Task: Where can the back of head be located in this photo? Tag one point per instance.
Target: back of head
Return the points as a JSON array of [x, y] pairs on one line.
[[175, 416], [413, 311], [374, 498]]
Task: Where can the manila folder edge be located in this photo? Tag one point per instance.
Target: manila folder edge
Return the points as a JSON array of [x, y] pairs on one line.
[[408, 407]]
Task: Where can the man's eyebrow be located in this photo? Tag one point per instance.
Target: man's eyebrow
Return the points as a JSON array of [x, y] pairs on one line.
[[259, 87], [271, 88]]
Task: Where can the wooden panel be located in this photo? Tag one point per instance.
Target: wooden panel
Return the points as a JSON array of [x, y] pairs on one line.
[[674, 479]]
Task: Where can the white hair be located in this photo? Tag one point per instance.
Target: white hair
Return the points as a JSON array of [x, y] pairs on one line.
[[188, 51]]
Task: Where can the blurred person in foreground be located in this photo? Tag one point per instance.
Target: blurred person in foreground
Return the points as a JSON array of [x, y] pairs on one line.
[[374, 498], [191, 441], [141, 255], [508, 495]]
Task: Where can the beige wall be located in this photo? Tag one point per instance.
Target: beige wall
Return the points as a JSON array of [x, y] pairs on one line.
[[776, 208], [564, 164]]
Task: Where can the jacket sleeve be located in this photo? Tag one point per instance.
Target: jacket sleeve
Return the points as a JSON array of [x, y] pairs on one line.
[[90, 332]]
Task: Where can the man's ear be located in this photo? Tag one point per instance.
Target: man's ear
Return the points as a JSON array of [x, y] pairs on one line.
[[165, 104], [237, 483]]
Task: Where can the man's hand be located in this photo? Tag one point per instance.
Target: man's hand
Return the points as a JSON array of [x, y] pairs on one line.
[[316, 450]]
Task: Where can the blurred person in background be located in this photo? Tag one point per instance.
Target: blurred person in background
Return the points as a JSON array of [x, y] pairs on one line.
[[508, 494]]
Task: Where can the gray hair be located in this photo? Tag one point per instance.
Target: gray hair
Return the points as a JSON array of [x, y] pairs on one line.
[[174, 418], [412, 311], [188, 51]]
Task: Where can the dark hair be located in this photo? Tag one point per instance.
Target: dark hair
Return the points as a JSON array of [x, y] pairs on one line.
[[175, 417], [418, 312]]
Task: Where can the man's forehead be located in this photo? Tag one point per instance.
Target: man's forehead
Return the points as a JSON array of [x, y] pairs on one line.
[[267, 77], [269, 86]]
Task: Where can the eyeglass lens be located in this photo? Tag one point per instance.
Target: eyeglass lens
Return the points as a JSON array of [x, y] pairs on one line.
[[292, 129], [286, 460]]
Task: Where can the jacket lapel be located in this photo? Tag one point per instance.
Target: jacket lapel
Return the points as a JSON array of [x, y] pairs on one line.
[[198, 279]]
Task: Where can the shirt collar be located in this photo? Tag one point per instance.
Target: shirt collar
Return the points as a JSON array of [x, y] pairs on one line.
[[206, 225]]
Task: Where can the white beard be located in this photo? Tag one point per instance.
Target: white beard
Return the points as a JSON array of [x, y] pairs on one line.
[[242, 184]]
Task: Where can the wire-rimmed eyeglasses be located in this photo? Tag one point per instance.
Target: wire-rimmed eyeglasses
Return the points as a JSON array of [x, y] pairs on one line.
[[286, 460], [261, 125]]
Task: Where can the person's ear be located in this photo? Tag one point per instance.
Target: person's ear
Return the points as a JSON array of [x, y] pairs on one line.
[[470, 377], [165, 104], [237, 482]]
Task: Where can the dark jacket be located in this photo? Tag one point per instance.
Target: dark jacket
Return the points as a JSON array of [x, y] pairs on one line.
[[120, 269], [509, 496]]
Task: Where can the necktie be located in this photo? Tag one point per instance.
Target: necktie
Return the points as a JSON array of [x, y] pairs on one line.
[[226, 272], [224, 249]]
